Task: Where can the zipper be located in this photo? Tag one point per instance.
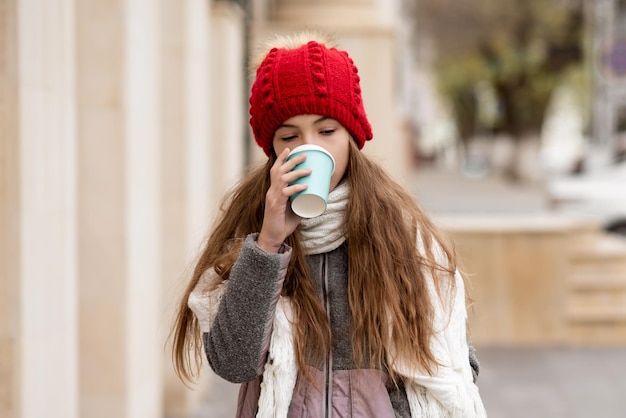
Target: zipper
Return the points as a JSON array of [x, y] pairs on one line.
[[328, 372]]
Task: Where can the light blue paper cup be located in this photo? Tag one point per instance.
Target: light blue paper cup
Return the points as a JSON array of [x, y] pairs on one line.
[[312, 202]]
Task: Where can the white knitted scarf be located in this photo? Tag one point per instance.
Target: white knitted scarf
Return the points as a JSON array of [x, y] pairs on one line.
[[325, 232], [449, 393]]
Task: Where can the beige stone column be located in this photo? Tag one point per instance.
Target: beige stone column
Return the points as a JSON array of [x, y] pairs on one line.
[[38, 331], [119, 208], [187, 184], [229, 90], [203, 152], [10, 225], [330, 13], [367, 30], [374, 54]]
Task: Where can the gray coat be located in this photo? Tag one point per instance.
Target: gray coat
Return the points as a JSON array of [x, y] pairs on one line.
[[238, 342]]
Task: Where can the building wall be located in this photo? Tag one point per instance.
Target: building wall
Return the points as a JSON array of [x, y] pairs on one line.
[[122, 123], [38, 208]]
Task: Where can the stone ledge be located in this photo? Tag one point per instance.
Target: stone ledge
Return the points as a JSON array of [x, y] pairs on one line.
[[517, 223]]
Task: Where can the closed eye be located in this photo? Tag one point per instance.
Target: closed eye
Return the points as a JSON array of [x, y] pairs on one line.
[[327, 131], [289, 138]]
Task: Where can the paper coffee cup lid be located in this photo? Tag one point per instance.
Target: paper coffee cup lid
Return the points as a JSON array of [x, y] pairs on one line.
[[312, 147]]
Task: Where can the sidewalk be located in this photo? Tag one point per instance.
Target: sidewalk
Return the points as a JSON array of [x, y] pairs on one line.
[[448, 192], [221, 401], [553, 382]]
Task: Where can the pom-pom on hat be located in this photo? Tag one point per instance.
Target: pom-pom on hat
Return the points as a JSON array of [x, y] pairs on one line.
[[309, 79]]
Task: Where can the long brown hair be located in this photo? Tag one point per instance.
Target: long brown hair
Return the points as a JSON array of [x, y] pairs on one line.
[[391, 309]]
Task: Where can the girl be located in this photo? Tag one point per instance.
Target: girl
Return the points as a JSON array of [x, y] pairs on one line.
[[359, 312]]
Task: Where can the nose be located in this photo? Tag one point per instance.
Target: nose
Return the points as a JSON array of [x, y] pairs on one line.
[[308, 138]]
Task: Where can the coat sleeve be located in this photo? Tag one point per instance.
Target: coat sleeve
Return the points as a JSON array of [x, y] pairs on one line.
[[238, 324], [473, 360]]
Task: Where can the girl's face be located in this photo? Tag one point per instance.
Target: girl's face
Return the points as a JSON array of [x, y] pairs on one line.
[[317, 130]]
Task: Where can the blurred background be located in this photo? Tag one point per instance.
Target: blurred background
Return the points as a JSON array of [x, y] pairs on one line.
[[123, 122]]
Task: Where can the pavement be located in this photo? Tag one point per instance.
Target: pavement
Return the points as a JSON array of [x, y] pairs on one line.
[[515, 382], [448, 192], [221, 400], [553, 382]]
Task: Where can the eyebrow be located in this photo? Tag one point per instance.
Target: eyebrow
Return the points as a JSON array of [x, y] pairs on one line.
[[286, 125]]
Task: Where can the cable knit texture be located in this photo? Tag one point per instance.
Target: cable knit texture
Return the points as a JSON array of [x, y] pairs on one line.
[[311, 79], [324, 233]]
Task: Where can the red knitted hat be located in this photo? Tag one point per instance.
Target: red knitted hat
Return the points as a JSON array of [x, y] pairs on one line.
[[311, 79]]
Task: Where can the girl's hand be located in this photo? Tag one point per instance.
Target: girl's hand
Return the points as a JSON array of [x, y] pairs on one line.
[[278, 220]]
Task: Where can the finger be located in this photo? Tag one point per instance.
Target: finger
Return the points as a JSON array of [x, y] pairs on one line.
[[281, 158], [293, 189], [295, 175], [283, 155], [289, 165], [282, 165]]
